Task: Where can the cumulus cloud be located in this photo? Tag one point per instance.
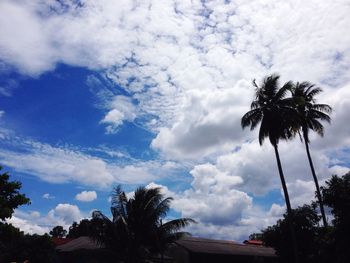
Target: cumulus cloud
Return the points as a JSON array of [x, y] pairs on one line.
[[86, 196], [27, 226], [35, 223], [226, 214], [66, 213]]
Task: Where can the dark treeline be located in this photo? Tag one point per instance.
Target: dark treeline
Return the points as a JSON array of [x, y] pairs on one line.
[[316, 244]]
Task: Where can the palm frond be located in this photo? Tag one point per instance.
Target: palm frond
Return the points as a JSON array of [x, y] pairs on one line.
[[118, 203], [251, 118], [282, 92], [312, 91], [254, 105], [316, 126], [322, 107], [263, 131], [270, 85], [176, 224], [162, 208]]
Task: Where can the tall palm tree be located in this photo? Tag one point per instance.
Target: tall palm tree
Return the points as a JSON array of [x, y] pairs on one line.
[[310, 115], [136, 230], [276, 116]]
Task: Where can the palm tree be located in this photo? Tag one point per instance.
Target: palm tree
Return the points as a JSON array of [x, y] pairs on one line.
[[136, 230], [310, 115], [276, 116]]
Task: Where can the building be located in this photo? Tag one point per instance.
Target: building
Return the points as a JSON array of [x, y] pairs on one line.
[[201, 250]]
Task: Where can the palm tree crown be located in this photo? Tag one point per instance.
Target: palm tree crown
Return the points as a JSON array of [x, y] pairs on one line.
[[310, 113], [136, 229], [272, 109]]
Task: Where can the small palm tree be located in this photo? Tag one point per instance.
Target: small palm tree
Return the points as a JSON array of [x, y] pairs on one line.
[[136, 230], [276, 116], [310, 115]]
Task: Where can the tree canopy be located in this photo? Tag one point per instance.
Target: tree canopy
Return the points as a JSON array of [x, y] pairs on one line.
[[10, 197], [137, 230], [58, 231], [319, 244]]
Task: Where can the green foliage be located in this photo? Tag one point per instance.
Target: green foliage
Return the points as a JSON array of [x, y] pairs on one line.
[[10, 198], [136, 230], [58, 231]]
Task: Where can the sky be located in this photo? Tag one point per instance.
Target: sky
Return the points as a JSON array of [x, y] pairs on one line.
[[94, 94]]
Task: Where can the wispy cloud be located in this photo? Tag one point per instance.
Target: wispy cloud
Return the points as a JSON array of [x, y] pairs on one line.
[[48, 196], [71, 164]]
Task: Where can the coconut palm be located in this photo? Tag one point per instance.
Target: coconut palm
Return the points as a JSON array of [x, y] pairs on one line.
[[276, 116], [310, 115], [136, 230]]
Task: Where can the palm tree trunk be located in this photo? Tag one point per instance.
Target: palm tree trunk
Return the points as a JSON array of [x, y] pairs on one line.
[[289, 208], [318, 192]]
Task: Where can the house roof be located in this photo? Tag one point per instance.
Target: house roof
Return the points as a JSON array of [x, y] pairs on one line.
[[222, 247], [60, 241], [253, 242], [79, 243]]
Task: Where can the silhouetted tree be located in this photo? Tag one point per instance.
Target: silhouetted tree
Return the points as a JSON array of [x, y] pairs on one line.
[[136, 230], [80, 229], [58, 231], [336, 194], [10, 197], [17, 247], [315, 248], [276, 116], [310, 115]]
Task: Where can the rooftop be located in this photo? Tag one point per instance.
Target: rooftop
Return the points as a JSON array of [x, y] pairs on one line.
[[222, 247]]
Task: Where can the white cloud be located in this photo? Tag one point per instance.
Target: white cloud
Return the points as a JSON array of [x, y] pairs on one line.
[[58, 165], [48, 196], [27, 226], [35, 214], [186, 67], [227, 214], [66, 213], [182, 62], [64, 164], [34, 223], [122, 109], [86, 196]]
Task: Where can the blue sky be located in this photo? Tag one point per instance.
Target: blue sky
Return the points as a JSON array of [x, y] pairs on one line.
[[95, 94]]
